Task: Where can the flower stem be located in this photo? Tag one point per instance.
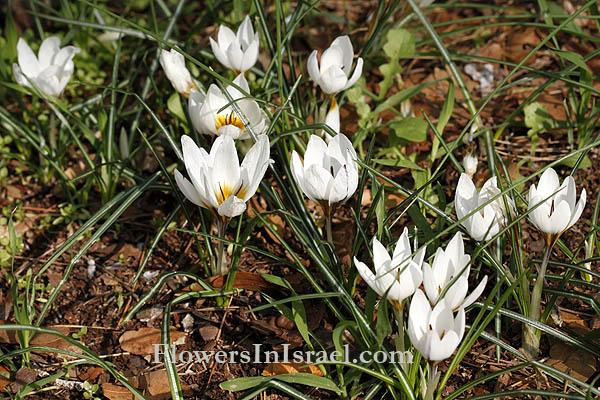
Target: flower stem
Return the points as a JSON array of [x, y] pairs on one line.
[[432, 380], [328, 228], [221, 264], [531, 336]]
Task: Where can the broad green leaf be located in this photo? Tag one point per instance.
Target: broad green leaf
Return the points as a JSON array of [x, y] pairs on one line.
[[570, 162], [400, 43], [301, 378], [575, 58], [537, 118], [174, 105], [410, 128]]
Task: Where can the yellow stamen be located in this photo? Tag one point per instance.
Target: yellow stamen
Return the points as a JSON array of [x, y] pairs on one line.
[[224, 191], [230, 118]]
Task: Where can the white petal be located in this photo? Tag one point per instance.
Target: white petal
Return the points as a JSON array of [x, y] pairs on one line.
[[48, 49], [475, 293], [235, 56], [195, 102], [255, 164], [226, 167], [219, 53], [232, 207], [28, 62], [548, 184], [250, 56], [333, 80], [355, 75], [225, 37], [188, 190], [578, 209], [344, 43], [313, 68], [315, 151], [245, 33]]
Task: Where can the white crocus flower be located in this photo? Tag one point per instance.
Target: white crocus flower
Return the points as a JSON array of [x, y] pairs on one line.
[[330, 173], [173, 63], [434, 333], [397, 277], [558, 209], [470, 164], [487, 220], [333, 73], [237, 52], [210, 114], [332, 119], [449, 273], [218, 181], [50, 71]]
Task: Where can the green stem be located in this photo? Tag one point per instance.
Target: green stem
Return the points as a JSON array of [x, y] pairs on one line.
[[328, 228], [222, 266], [432, 380], [531, 336]]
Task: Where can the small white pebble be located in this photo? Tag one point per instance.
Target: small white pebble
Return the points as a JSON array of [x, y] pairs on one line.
[[91, 268], [149, 275], [188, 322]]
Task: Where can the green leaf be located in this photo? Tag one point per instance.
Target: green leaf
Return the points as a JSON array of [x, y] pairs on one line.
[[575, 58], [556, 9], [301, 378], [174, 105], [537, 119], [570, 162], [10, 31], [383, 328], [410, 128], [397, 163], [400, 43]]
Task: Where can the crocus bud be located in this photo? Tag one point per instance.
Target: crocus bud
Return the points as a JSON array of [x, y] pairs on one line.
[[558, 209], [332, 119], [397, 277], [50, 71], [238, 52], [470, 164], [173, 63], [333, 73]]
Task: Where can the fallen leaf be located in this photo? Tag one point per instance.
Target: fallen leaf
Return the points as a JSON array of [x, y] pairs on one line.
[[291, 368], [243, 280], [572, 360], [208, 332], [158, 385], [142, 341], [116, 392], [90, 374], [22, 378], [47, 339]]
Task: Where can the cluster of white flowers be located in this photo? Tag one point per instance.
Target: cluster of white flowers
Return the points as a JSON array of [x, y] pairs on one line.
[[327, 175], [552, 207], [435, 332]]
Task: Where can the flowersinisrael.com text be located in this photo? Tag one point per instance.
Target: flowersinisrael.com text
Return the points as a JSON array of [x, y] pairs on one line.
[[260, 356]]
